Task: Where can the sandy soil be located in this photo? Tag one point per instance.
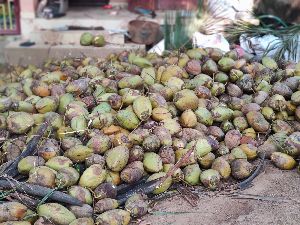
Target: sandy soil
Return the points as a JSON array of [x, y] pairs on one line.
[[281, 206]]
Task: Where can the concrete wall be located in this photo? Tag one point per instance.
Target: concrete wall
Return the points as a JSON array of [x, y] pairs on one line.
[[4, 40]]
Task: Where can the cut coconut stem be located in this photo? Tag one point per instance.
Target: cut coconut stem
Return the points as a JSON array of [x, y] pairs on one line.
[[145, 188], [123, 188], [12, 170], [39, 191]]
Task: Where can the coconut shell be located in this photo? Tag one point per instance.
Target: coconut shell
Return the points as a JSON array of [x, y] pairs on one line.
[[11, 211], [78, 153], [142, 107], [43, 176], [170, 71], [172, 126], [210, 178], [59, 162], [105, 204], [283, 115], [137, 136], [105, 190], [233, 90], [226, 64], [152, 162], [54, 119], [133, 172], [257, 121], [62, 215], [222, 166], [204, 116], [193, 67], [232, 138], [5, 104], [210, 67], [240, 123], [178, 143], [167, 155], [86, 39], [269, 63], [28, 163], [148, 75], [43, 221], [217, 89], [160, 113], [192, 174], [19, 122], [157, 100], [237, 153], [12, 149], [137, 205], [250, 150], [113, 177], [250, 107], [127, 119], [99, 143], [115, 216], [277, 102], [79, 124], [283, 161], [202, 147], [151, 143], [47, 104], [69, 142], [221, 114], [66, 177], [216, 132], [190, 134], [130, 96], [241, 169], [75, 109], [177, 175], [133, 82], [216, 54], [207, 160], [136, 153], [95, 159], [40, 89], [282, 127], [81, 193], [185, 99], [93, 176], [188, 119], [282, 89], [268, 113], [98, 41], [117, 158]]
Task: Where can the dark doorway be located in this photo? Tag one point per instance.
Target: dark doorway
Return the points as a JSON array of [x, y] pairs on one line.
[[87, 3]]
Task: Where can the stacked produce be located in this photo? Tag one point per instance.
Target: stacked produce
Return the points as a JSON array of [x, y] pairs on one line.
[[133, 116], [88, 39]]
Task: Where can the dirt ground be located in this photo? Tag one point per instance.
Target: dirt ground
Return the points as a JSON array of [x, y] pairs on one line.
[[281, 204]]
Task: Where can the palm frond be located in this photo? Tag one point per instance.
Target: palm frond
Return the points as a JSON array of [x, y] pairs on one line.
[[286, 44]]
